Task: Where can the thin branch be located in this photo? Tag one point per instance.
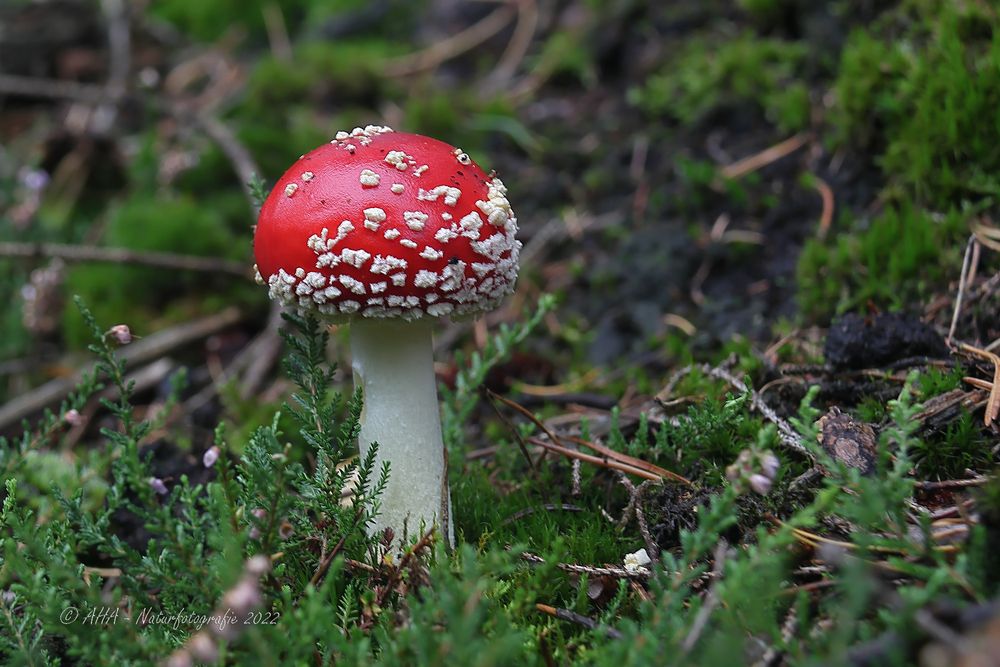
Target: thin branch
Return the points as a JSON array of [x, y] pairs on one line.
[[164, 260], [148, 348], [765, 157], [55, 89], [786, 433], [579, 619], [711, 600], [962, 281], [621, 573], [453, 46], [826, 217], [517, 48]]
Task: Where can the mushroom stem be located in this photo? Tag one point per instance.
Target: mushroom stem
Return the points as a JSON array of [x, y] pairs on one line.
[[393, 363]]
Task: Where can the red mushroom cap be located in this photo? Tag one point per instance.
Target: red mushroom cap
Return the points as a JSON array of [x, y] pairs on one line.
[[385, 224]]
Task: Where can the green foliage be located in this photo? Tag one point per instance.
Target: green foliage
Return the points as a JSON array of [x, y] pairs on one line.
[[926, 98], [274, 501], [199, 535], [141, 223], [891, 260], [742, 70], [459, 402], [202, 20], [936, 381], [960, 446], [709, 438], [984, 547]]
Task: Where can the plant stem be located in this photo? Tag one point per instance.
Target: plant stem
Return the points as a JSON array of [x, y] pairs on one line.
[[393, 363]]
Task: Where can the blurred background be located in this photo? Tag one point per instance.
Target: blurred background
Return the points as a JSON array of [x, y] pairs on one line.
[[690, 176]]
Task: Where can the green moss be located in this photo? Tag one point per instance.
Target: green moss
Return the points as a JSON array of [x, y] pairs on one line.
[[936, 381], [204, 20], [121, 292], [709, 439], [924, 98], [946, 455], [894, 259], [744, 70]]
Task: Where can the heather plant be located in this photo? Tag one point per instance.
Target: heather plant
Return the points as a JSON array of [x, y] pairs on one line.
[[269, 560]]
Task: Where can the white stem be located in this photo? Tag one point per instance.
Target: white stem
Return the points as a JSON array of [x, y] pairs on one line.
[[393, 363]]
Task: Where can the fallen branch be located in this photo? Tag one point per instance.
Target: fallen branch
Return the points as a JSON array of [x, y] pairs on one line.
[[148, 348], [453, 46], [579, 619], [619, 572], [164, 260]]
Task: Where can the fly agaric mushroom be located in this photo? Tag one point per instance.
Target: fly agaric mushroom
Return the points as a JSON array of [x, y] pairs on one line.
[[391, 231]]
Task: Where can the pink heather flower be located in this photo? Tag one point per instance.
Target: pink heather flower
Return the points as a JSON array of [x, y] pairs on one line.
[[121, 334], [260, 515], [202, 648], [157, 485], [211, 456], [34, 179], [769, 463], [258, 565], [243, 597], [73, 417], [760, 484]]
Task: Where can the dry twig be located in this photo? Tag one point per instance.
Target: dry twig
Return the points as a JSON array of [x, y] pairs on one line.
[[164, 260], [579, 619], [765, 157]]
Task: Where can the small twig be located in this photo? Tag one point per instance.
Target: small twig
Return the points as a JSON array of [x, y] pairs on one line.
[[517, 47], [513, 429], [711, 599], [324, 563], [629, 460], [786, 433], [635, 507], [951, 483], [788, 628], [939, 631], [603, 462], [54, 89], [358, 565], [243, 163], [277, 32], [765, 157], [165, 260], [579, 619], [621, 573], [152, 346], [453, 46], [119, 64], [962, 283], [404, 561], [993, 404], [826, 217]]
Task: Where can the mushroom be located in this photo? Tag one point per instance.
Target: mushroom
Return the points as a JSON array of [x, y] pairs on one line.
[[391, 231]]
